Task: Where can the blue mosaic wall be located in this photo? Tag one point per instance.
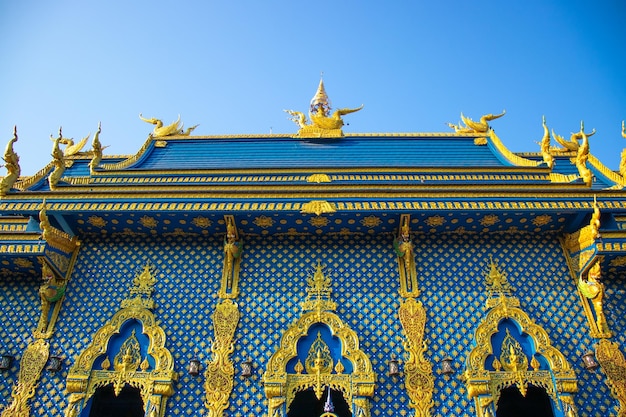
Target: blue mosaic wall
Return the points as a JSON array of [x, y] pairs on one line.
[[273, 272]]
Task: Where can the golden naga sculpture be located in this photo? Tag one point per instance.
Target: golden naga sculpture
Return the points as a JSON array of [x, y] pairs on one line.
[[12, 164], [58, 159], [545, 146], [174, 129], [475, 127], [322, 124], [582, 155], [96, 150]]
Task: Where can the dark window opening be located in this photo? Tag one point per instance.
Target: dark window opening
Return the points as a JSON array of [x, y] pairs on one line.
[[513, 404], [306, 404], [127, 403]]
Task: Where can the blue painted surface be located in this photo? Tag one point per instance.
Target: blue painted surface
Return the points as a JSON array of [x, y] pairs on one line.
[[251, 153]]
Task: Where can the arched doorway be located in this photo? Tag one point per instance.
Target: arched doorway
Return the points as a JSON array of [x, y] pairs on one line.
[[306, 404], [127, 403], [512, 403]]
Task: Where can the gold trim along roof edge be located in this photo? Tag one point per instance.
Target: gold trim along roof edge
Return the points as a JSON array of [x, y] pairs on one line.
[[508, 155], [264, 192], [606, 171], [102, 207]]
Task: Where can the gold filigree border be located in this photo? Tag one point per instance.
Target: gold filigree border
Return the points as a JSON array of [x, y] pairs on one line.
[[280, 387], [155, 386], [560, 380]]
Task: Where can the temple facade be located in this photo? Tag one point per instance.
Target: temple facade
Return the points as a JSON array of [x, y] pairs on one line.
[[316, 273]]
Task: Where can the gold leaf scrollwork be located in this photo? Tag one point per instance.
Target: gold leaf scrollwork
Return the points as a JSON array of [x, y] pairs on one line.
[[614, 366], [33, 361], [220, 371], [419, 379], [281, 387], [512, 366], [155, 381]]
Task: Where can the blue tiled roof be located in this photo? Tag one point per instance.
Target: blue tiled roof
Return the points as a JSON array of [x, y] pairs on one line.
[[285, 152]]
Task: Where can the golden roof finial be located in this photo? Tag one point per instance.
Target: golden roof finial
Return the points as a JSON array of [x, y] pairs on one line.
[[320, 101]]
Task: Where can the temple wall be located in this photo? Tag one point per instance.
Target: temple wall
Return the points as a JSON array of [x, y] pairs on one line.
[[363, 270]]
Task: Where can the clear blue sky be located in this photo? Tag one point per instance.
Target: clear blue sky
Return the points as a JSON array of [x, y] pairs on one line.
[[234, 66]]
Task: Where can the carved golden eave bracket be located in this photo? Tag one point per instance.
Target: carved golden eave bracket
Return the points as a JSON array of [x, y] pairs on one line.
[[53, 236]]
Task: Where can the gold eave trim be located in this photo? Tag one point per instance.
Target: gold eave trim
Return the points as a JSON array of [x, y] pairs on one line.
[[103, 207], [503, 170], [12, 237], [267, 193]]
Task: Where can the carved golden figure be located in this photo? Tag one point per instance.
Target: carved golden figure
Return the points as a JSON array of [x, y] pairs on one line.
[[12, 164], [475, 127], [58, 159], [571, 145], [173, 129], [70, 147], [233, 247], [594, 223], [322, 124], [96, 150], [406, 260], [582, 155], [593, 289], [51, 291], [545, 146]]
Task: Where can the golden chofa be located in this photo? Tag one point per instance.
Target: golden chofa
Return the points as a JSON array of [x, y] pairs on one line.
[[322, 123]]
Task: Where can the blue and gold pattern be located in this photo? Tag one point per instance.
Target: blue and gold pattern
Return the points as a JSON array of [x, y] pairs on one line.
[[450, 267]]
